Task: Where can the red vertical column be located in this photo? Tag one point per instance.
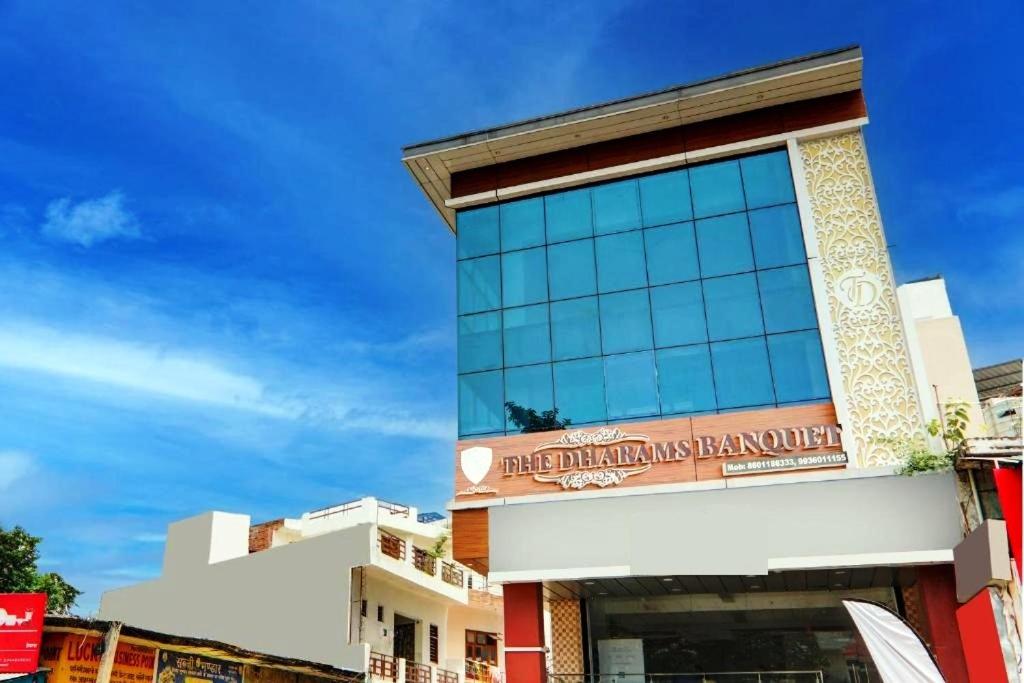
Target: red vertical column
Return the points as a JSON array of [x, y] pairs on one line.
[[982, 649], [524, 632], [937, 588]]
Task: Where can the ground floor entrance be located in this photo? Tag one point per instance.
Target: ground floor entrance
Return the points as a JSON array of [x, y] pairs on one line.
[[802, 637], [786, 627]]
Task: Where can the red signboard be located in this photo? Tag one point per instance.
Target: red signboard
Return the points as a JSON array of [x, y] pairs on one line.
[[21, 629]]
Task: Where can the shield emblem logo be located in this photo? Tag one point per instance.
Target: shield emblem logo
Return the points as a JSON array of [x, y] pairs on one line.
[[476, 462]]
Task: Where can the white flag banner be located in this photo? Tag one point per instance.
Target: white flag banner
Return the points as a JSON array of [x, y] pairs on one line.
[[897, 651]]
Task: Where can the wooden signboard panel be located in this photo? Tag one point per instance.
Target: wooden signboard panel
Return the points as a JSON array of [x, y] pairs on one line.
[[641, 454]]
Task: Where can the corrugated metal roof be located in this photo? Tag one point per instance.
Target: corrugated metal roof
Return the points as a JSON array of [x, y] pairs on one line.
[[1002, 379]]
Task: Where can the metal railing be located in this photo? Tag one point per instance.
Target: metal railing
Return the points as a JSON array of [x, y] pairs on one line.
[[481, 671], [391, 545], [416, 673], [383, 666], [805, 676], [339, 509], [396, 509], [446, 676], [452, 574], [424, 561]]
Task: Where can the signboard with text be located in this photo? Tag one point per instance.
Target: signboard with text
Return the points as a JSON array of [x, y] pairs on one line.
[[181, 667], [21, 630], [686, 449], [74, 658]]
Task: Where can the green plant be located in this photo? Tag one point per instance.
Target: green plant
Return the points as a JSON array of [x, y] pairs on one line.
[[917, 457], [440, 546], [18, 572]]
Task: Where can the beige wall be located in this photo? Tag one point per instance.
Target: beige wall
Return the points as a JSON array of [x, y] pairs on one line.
[[938, 351]]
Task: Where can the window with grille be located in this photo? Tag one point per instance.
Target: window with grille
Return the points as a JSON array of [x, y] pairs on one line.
[[433, 644], [380, 613]]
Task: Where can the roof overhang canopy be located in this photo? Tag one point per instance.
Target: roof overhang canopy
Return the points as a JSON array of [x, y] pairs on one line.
[[827, 73]]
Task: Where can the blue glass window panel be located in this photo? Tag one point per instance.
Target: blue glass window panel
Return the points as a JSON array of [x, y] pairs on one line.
[[527, 336], [575, 329], [766, 179], [568, 215], [724, 245], [685, 382], [671, 254], [616, 207], [476, 232], [481, 404], [620, 262], [625, 321], [665, 198], [529, 387], [480, 342], [631, 385], [716, 188], [579, 390], [571, 269], [479, 283], [798, 366], [524, 277], [732, 307], [678, 313], [522, 224], [742, 375], [778, 240], [786, 299]]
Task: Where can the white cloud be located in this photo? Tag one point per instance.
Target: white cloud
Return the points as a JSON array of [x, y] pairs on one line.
[[91, 221], [193, 377], [148, 369], [14, 465]]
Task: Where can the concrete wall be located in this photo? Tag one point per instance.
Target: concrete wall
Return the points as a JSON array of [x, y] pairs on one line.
[[844, 521], [422, 607], [291, 600]]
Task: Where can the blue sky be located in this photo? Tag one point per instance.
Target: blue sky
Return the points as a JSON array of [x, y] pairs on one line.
[[222, 290]]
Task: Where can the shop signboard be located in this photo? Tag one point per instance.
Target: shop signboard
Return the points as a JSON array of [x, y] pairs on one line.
[[678, 450], [75, 658], [21, 629], [182, 667]]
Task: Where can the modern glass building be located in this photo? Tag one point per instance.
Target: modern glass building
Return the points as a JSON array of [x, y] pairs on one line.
[[682, 292], [684, 372]]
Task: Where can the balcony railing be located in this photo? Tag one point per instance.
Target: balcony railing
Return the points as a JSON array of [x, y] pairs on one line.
[[396, 509], [391, 545], [416, 673], [482, 671], [383, 666], [452, 574], [446, 676], [339, 509], [424, 561]]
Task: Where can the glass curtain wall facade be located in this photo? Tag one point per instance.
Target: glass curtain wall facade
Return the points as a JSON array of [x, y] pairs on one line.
[[677, 293]]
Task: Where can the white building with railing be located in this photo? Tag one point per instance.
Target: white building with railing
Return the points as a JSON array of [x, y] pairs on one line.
[[366, 585]]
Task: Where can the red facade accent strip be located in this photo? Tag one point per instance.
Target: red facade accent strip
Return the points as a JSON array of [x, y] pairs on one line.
[[1008, 487], [690, 137], [980, 638]]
